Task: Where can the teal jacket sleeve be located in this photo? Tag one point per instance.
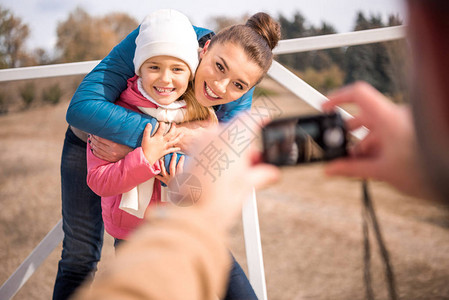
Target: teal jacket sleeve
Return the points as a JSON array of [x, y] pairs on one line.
[[92, 107]]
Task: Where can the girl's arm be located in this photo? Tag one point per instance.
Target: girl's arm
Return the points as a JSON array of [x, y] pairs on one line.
[[109, 179]]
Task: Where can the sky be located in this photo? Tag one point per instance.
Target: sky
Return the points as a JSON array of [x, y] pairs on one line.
[[42, 16]]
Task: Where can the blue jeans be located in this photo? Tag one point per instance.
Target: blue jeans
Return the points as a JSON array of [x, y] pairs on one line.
[[239, 287], [82, 221]]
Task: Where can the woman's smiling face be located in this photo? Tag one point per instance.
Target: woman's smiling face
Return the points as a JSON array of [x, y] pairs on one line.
[[224, 74]]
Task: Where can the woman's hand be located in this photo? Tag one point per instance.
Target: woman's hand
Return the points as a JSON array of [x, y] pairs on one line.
[[192, 131], [107, 150], [156, 146], [389, 151], [174, 168]]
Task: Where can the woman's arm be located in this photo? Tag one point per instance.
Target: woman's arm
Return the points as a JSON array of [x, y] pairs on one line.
[[107, 150], [92, 109]]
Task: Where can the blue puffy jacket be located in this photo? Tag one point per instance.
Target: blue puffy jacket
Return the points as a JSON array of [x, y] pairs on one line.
[[92, 107]]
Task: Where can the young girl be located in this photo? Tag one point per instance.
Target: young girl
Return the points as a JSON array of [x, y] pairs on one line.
[[165, 61]]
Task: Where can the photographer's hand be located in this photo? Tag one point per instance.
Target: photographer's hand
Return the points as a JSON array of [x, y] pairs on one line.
[[223, 193], [389, 151]]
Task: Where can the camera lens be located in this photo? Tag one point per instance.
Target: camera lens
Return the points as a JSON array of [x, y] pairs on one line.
[[333, 137]]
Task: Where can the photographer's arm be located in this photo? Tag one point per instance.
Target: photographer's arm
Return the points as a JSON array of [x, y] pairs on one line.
[[185, 245]]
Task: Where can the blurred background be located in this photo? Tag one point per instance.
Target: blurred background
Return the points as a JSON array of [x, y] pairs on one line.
[[310, 224], [36, 32]]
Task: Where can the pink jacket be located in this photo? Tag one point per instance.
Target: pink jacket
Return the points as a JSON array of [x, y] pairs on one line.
[[111, 180]]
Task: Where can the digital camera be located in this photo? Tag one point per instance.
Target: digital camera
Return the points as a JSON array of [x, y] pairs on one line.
[[304, 139]]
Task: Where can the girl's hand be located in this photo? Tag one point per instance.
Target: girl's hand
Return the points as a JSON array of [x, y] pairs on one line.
[[174, 169], [107, 150], [156, 146]]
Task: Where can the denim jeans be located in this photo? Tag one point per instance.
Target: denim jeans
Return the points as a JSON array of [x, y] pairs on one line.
[[82, 221], [239, 287]]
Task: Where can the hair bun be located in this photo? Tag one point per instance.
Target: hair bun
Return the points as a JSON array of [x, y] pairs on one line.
[[267, 27]]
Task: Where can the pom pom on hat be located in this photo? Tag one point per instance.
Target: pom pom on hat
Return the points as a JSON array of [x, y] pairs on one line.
[[166, 32]]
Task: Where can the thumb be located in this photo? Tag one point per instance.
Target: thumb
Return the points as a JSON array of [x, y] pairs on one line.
[[147, 131], [356, 168]]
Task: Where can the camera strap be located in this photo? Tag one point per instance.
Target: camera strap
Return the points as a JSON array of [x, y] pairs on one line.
[[369, 219]]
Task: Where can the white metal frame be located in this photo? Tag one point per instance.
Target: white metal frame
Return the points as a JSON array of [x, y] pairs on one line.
[[32, 262], [253, 247], [249, 213]]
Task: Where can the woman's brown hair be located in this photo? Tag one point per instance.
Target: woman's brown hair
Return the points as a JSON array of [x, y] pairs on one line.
[[257, 37]]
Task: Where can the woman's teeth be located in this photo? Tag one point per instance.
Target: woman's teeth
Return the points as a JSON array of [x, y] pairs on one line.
[[210, 93]]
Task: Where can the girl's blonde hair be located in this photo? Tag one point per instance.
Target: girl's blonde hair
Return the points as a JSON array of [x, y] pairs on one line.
[[196, 111]]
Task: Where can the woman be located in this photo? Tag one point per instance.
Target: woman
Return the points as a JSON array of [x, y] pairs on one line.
[[231, 64]]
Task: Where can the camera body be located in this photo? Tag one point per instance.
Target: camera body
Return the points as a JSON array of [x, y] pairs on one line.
[[304, 139]]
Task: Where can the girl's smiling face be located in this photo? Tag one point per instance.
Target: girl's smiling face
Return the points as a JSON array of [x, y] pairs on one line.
[[224, 74], [164, 78]]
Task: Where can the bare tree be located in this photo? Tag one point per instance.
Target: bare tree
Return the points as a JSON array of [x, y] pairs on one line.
[[41, 57], [220, 22], [83, 37], [120, 23], [13, 34]]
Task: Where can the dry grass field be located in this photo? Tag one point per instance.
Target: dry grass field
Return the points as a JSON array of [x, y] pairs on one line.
[[310, 224]]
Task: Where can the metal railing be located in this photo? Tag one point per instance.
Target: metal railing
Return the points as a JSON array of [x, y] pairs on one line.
[[249, 213]]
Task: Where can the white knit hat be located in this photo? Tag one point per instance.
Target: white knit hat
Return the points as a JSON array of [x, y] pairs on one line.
[[166, 32]]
